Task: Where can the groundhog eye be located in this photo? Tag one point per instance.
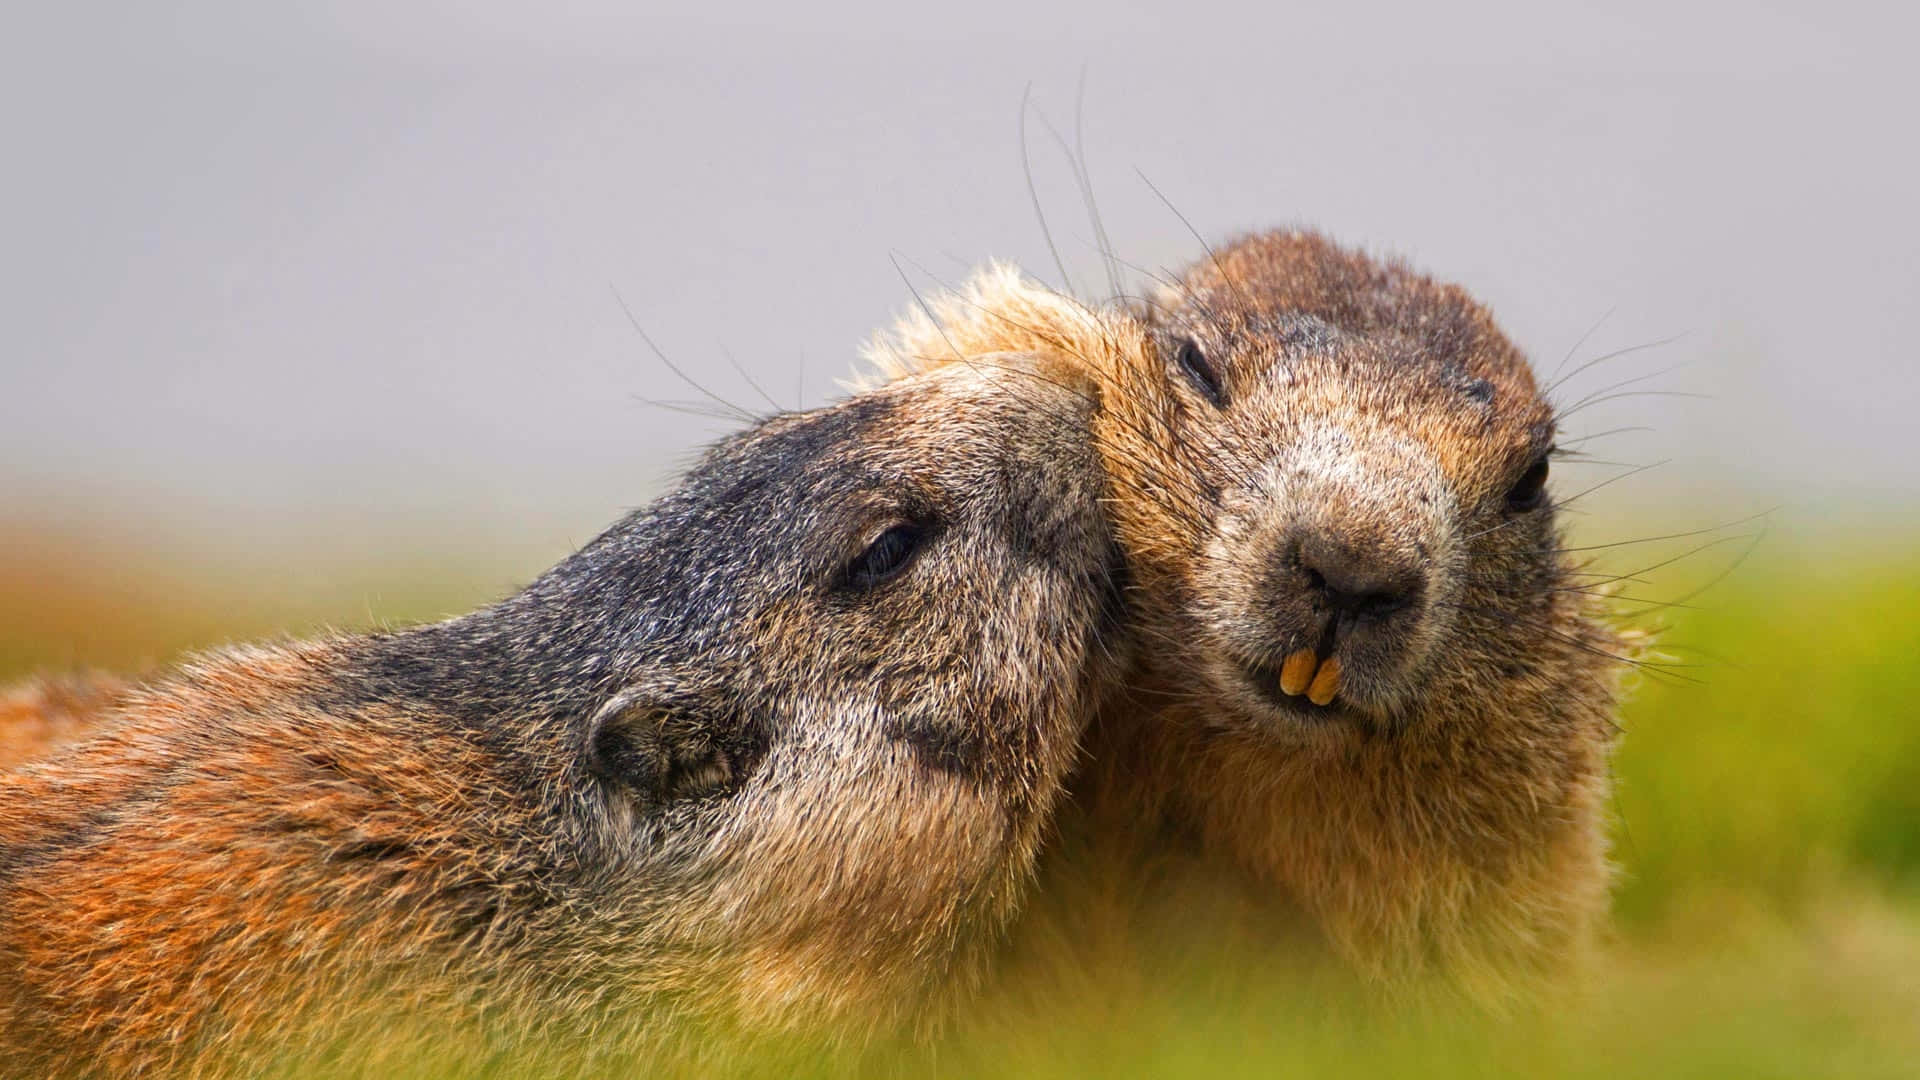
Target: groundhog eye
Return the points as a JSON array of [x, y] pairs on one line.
[[889, 553], [1199, 369], [1531, 490]]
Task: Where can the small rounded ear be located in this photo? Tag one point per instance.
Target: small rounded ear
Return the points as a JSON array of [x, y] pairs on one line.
[[659, 755], [624, 746]]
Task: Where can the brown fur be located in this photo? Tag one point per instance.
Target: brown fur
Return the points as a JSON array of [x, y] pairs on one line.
[[43, 714], [282, 847], [1446, 814]]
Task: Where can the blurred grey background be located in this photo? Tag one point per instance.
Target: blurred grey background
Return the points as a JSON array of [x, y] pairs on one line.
[[339, 278]]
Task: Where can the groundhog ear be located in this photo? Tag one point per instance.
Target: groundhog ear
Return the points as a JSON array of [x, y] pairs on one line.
[[656, 755]]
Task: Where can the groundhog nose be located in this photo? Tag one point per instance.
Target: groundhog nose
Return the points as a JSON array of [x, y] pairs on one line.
[[1355, 578]]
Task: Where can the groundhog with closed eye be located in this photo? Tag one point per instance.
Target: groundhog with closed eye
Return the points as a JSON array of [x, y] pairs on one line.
[[774, 752], [1369, 677]]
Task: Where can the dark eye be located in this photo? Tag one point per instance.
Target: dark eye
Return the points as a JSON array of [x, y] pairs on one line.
[[1199, 369], [889, 553], [1531, 489]]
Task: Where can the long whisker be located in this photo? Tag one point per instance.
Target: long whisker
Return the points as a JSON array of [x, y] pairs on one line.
[[1175, 282], [1086, 183], [1616, 354], [1591, 330], [1601, 435], [1667, 536], [1558, 417], [1656, 668], [742, 372], [737, 411], [1026, 166], [1625, 383], [1623, 598], [1488, 552], [1558, 503], [894, 258], [689, 408], [1204, 246], [1688, 554], [1738, 562], [1583, 459]]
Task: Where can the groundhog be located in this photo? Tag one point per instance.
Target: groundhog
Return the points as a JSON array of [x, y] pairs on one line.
[[1370, 679], [774, 753]]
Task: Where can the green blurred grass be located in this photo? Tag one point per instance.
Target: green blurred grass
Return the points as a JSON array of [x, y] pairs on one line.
[[1768, 918], [1795, 764]]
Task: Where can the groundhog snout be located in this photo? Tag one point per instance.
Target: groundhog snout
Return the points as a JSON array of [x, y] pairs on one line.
[[1346, 610], [1353, 579], [1344, 592]]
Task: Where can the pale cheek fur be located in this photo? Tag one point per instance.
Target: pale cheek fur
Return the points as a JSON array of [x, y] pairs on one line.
[[1379, 486]]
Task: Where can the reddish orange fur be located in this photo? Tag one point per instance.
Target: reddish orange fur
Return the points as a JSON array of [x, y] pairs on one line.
[[43, 714], [194, 888], [277, 850]]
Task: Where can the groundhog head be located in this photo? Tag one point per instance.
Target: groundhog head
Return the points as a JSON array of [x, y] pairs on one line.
[[1329, 477], [847, 665], [1351, 479]]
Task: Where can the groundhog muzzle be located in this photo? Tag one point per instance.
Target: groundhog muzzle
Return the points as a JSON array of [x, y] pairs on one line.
[[774, 752], [1371, 678]]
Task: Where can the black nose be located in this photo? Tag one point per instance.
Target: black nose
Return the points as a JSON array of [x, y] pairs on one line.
[[1358, 580]]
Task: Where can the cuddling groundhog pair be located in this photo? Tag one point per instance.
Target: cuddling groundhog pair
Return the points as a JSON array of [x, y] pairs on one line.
[[1259, 577]]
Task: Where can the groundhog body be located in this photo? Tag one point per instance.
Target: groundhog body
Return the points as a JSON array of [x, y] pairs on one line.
[[773, 753], [1371, 687]]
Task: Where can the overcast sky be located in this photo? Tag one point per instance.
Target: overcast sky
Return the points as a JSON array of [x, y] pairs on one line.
[[268, 268]]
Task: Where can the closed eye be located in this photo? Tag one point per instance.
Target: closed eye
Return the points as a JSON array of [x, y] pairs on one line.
[[884, 558], [1199, 370]]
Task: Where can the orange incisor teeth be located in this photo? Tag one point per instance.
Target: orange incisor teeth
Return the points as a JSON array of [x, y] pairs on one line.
[[1326, 682], [1296, 671]]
